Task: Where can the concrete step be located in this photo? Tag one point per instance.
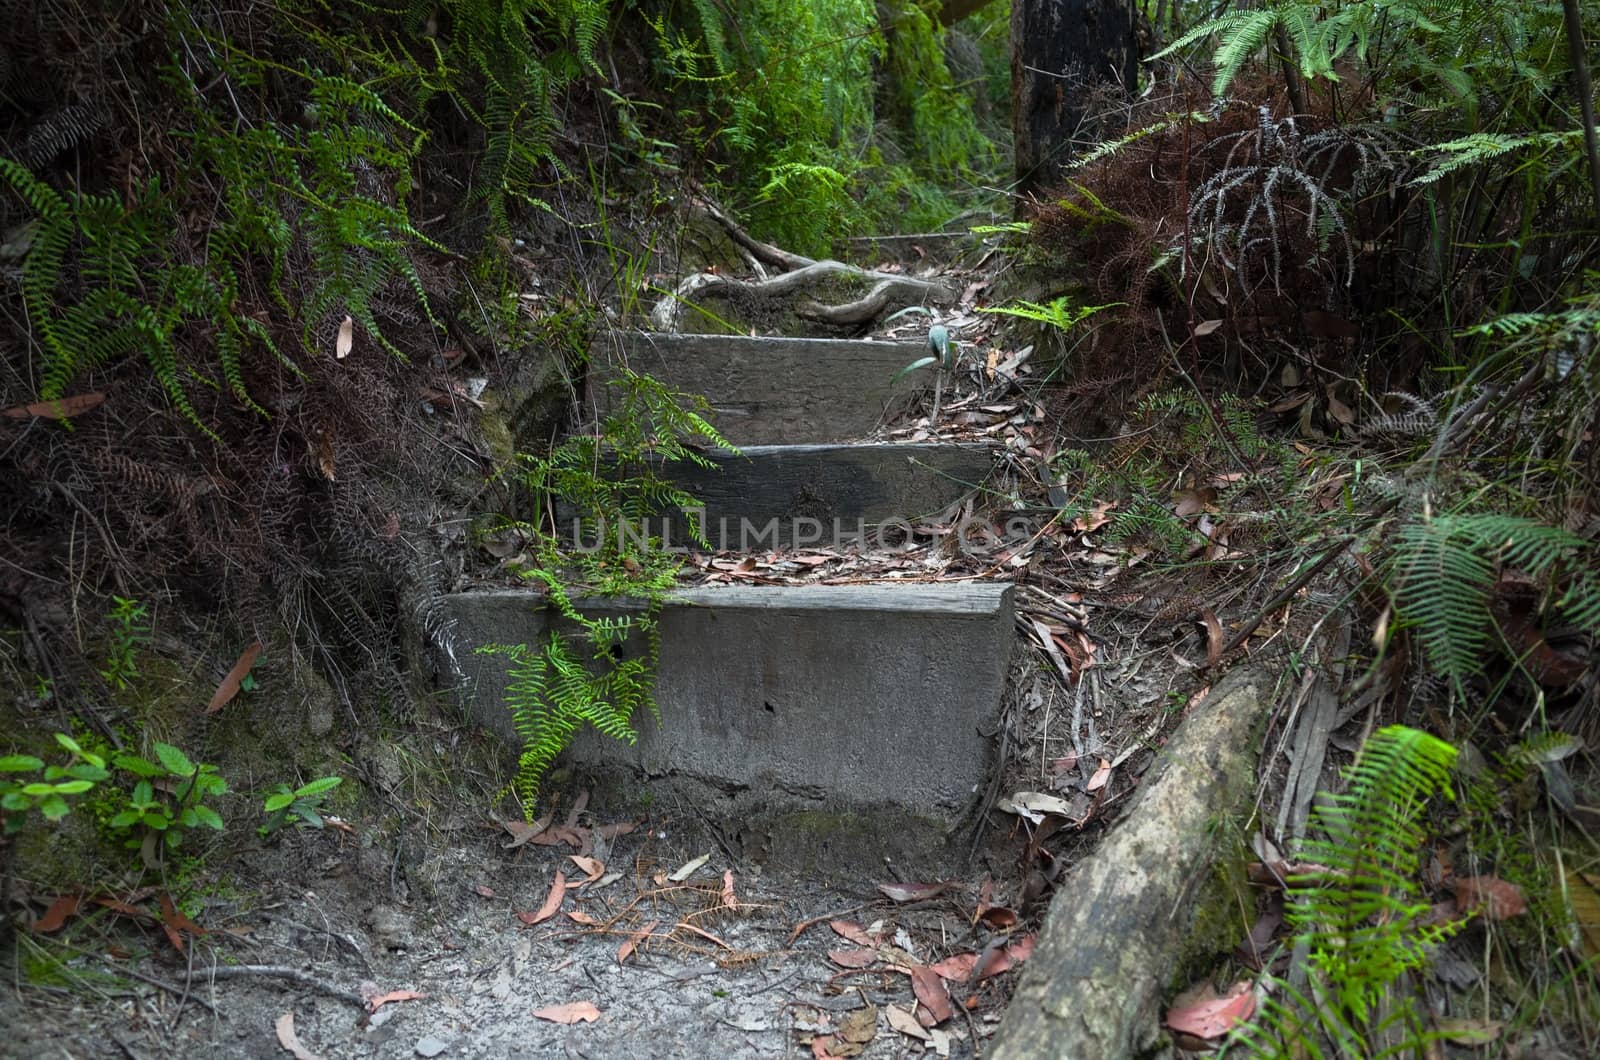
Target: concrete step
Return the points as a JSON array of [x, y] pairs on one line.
[[769, 391], [776, 496], [847, 697]]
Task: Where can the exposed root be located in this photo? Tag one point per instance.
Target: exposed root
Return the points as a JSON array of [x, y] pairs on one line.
[[799, 272]]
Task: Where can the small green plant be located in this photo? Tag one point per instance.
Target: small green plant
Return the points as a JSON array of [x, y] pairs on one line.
[[168, 800], [129, 632], [614, 480], [304, 804], [1354, 910], [49, 796]]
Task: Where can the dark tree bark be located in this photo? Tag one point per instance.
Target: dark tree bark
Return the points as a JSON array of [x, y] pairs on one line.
[[1061, 51]]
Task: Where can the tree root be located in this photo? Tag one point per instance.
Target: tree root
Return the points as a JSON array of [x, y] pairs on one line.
[[799, 272]]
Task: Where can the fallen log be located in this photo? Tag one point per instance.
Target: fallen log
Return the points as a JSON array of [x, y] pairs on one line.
[[1122, 924]]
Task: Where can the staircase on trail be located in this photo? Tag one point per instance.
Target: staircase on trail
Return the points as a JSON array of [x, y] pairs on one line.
[[865, 702]]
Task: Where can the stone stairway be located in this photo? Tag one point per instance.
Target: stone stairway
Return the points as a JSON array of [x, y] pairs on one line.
[[820, 723]]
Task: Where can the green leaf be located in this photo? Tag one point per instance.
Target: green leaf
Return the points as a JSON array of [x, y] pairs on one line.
[[142, 767], [74, 787], [317, 787], [20, 764], [921, 362], [54, 808], [14, 800], [187, 817], [68, 743], [209, 817], [277, 802], [125, 819], [143, 794], [309, 816], [38, 789], [88, 771], [176, 761]]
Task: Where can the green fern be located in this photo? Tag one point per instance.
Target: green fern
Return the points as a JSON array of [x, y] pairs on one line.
[[1353, 908], [614, 479], [1443, 573]]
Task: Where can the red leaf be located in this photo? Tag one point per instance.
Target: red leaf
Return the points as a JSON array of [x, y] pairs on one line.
[[929, 988], [173, 921], [59, 409], [484, 890], [230, 684], [1216, 1016], [552, 902], [375, 1003], [957, 968], [728, 900], [852, 958], [626, 949], [592, 866], [60, 911], [854, 932], [571, 1012], [578, 916], [1492, 896]]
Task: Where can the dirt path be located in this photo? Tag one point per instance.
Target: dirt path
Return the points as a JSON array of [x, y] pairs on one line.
[[672, 968]]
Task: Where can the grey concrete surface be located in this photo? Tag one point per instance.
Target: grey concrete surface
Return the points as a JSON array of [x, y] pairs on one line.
[[821, 495], [837, 695], [770, 391]]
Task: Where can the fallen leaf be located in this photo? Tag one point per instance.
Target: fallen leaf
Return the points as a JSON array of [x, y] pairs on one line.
[[592, 866], [1101, 776], [324, 454], [1492, 896], [1214, 1017], [689, 868], [852, 958], [906, 1023], [859, 1026], [175, 916], [957, 968], [578, 916], [290, 1040], [346, 340], [378, 1001], [552, 902], [930, 990], [626, 949], [521, 832], [728, 900], [912, 892], [1214, 639], [230, 684], [60, 911], [854, 932], [999, 917], [1193, 502], [58, 409], [571, 1012], [1206, 327], [611, 831], [484, 890]]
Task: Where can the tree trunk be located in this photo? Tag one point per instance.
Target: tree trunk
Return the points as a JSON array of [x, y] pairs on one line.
[[1061, 52]]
